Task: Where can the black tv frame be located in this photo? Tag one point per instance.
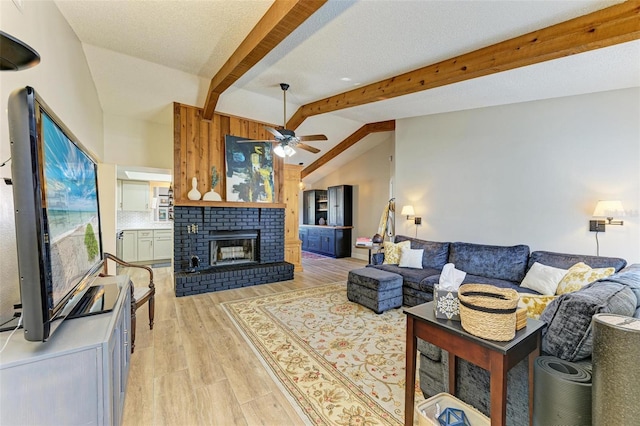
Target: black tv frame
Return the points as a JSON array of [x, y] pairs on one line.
[[40, 315]]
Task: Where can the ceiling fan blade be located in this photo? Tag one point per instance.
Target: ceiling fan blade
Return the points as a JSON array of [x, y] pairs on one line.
[[307, 148], [312, 138], [253, 140], [274, 132]]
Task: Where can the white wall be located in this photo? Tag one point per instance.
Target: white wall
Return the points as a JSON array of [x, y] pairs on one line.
[[526, 173], [369, 174], [64, 82], [130, 142]]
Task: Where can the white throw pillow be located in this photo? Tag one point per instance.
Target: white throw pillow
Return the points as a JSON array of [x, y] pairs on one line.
[[410, 258], [543, 279]]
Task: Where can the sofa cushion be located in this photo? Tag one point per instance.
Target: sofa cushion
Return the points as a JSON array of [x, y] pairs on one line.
[[566, 261], [629, 276], [568, 334], [579, 275], [429, 282], [435, 254], [413, 297], [408, 274], [429, 350], [504, 263]]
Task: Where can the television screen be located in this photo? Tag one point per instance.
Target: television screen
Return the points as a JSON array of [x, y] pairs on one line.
[[71, 209], [58, 231]]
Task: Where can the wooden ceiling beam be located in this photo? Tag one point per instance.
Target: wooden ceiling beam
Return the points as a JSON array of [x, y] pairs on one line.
[[367, 129], [606, 27], [282, 18]]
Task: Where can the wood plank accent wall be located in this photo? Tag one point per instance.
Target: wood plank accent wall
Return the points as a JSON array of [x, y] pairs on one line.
[[292, 243], [199, 144]]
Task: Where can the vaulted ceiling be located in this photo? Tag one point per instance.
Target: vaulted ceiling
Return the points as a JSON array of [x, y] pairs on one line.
[[144, 55]]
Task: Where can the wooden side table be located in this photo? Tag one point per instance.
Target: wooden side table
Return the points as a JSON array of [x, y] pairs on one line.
[[497, 357]]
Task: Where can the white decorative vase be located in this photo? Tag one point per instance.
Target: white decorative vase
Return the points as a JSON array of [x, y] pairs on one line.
[[194, 194], [211, 196]]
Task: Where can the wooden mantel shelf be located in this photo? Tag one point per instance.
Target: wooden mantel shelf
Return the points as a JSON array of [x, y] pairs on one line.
[[233, 204]]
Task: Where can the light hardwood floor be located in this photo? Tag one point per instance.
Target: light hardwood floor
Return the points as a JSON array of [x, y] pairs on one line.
[[194, 368]]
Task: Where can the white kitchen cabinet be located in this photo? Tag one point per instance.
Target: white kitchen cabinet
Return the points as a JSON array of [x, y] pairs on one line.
[[119, 194], [78, 377], [163, 244], [135, 195], [145, 245], [130, 246]]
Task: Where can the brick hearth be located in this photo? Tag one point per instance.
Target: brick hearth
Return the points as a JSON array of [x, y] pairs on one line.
[[269, 267]]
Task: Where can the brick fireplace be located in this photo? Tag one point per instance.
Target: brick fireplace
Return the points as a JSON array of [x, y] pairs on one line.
[[219, 248]]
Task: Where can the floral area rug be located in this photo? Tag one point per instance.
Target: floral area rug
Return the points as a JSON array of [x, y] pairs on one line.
[[339, 362]]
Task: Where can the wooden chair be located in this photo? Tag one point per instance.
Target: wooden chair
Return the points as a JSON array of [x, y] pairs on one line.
[[139, 295]]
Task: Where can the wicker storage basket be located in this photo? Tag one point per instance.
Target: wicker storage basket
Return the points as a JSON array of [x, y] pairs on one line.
[[488, 312]]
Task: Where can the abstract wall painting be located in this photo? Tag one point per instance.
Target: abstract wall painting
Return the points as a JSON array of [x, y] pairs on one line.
[[249, 171]]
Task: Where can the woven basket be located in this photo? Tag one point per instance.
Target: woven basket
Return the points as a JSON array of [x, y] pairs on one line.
[[488, 312]]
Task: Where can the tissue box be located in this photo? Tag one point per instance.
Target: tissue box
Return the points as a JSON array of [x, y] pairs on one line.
[[445, 304]]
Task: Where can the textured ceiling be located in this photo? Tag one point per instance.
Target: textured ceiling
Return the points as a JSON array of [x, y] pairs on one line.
[[146, 54]]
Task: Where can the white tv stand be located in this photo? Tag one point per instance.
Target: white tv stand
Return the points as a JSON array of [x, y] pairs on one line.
[[79, 376]]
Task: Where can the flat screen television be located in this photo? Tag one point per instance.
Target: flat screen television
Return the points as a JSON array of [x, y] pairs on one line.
[[55, 193]]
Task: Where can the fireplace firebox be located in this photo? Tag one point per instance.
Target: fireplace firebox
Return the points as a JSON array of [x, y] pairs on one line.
[[233, 248]]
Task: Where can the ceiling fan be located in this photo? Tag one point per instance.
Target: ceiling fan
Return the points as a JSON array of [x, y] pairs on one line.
[[286, 138]]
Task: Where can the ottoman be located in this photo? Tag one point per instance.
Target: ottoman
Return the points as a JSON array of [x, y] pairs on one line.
[[375, 289]]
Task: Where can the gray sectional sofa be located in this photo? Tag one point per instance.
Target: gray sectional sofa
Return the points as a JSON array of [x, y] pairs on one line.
[[502, 266], [567, 333]]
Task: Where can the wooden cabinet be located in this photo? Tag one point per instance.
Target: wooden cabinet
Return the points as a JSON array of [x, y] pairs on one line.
[[303, 235], [129, 246], [79, 376], [340, 210], [145, 245], [327, 240], [162, 244], [315, 206], [135, 195], [291, 198], [334, 205]]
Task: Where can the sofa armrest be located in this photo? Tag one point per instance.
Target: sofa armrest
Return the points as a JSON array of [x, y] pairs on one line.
[[568, 333], [377, 258]]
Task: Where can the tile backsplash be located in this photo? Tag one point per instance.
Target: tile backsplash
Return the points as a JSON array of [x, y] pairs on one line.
[[140, 220]]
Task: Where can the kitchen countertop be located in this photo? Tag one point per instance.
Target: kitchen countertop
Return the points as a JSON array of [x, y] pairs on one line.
[[327, 226], [146, 228]]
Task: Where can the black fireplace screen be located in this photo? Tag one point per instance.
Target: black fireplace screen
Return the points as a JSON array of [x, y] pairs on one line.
[[233, 247]]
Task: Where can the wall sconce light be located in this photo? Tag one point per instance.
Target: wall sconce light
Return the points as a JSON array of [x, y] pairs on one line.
[[408, 211], [607, 209]]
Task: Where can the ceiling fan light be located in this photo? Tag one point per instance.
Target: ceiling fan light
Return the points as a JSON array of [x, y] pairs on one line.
[[288, 151], [279, 151]]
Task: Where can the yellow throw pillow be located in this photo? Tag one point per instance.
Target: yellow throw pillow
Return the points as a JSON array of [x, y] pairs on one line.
[[392, 252], [534, 304], [580, 275]]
